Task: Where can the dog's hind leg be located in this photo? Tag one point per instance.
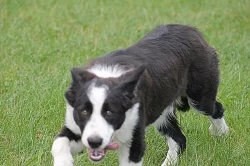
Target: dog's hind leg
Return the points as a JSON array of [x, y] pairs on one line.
[[67, 143], [167, 125], [203, 82], [218, 125], [215, 112]]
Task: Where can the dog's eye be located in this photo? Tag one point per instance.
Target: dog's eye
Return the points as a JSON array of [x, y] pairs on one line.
[[84, 112], [109, 113]]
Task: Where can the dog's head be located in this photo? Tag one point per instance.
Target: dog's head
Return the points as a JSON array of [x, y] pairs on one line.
[[100, 106]]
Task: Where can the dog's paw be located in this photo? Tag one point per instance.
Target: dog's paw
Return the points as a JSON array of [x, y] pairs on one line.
[[61, 152], [218, 127], [170, 160], [63, 161], [214, 131]]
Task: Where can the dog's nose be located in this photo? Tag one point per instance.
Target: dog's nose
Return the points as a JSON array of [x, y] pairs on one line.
[[95, 142]]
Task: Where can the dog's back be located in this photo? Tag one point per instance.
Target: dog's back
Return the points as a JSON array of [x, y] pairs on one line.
[[171, 54]]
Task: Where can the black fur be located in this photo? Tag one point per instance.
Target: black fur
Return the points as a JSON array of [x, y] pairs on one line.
[[172, 130], [138, 145], [219, 111], [183, 105], [65, 132]]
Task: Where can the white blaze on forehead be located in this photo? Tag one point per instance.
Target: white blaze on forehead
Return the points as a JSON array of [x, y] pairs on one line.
[[97, 96], [97, 125], [105, 71]]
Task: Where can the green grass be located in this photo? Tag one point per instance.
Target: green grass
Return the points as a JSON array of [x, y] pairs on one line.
[[41, 40]]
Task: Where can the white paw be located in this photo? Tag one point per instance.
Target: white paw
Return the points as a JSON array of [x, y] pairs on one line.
[[169, 161], [63, 161], [223, 130], [172, 155], [61, 152], [218, 127]]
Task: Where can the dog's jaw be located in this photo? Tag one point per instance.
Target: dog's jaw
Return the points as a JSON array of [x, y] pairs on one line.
[[99, 154]]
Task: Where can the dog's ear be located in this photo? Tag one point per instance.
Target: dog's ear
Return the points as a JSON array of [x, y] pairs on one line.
[[129, 82], [70, 95], [79, 77]]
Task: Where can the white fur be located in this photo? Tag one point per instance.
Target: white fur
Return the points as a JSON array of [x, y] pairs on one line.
[[124, 136], [162, 120], [61, 152], [97, 125], [172, 155], [125, 133], [70, 122], [218, 127], [123, 154], [62, 148], [76, 147], [105, 71]]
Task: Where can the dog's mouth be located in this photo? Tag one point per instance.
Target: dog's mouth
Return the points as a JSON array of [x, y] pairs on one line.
[[98, 154]]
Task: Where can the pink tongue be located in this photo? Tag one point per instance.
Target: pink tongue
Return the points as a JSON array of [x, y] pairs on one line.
[[112, 146]]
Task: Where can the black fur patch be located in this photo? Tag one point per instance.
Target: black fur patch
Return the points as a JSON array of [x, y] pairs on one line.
[[138, 145], [183, 105], [65, 132]]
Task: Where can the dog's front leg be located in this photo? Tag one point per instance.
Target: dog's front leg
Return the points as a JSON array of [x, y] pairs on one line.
[[131, 153], [65, 145]]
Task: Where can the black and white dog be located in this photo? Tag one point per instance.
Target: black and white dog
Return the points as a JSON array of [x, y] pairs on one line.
[[115, 97]]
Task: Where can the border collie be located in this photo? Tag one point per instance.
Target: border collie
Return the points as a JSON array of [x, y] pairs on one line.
[[113, 98]]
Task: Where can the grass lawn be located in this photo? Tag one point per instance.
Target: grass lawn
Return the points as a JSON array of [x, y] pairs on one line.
[[41, 40]]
